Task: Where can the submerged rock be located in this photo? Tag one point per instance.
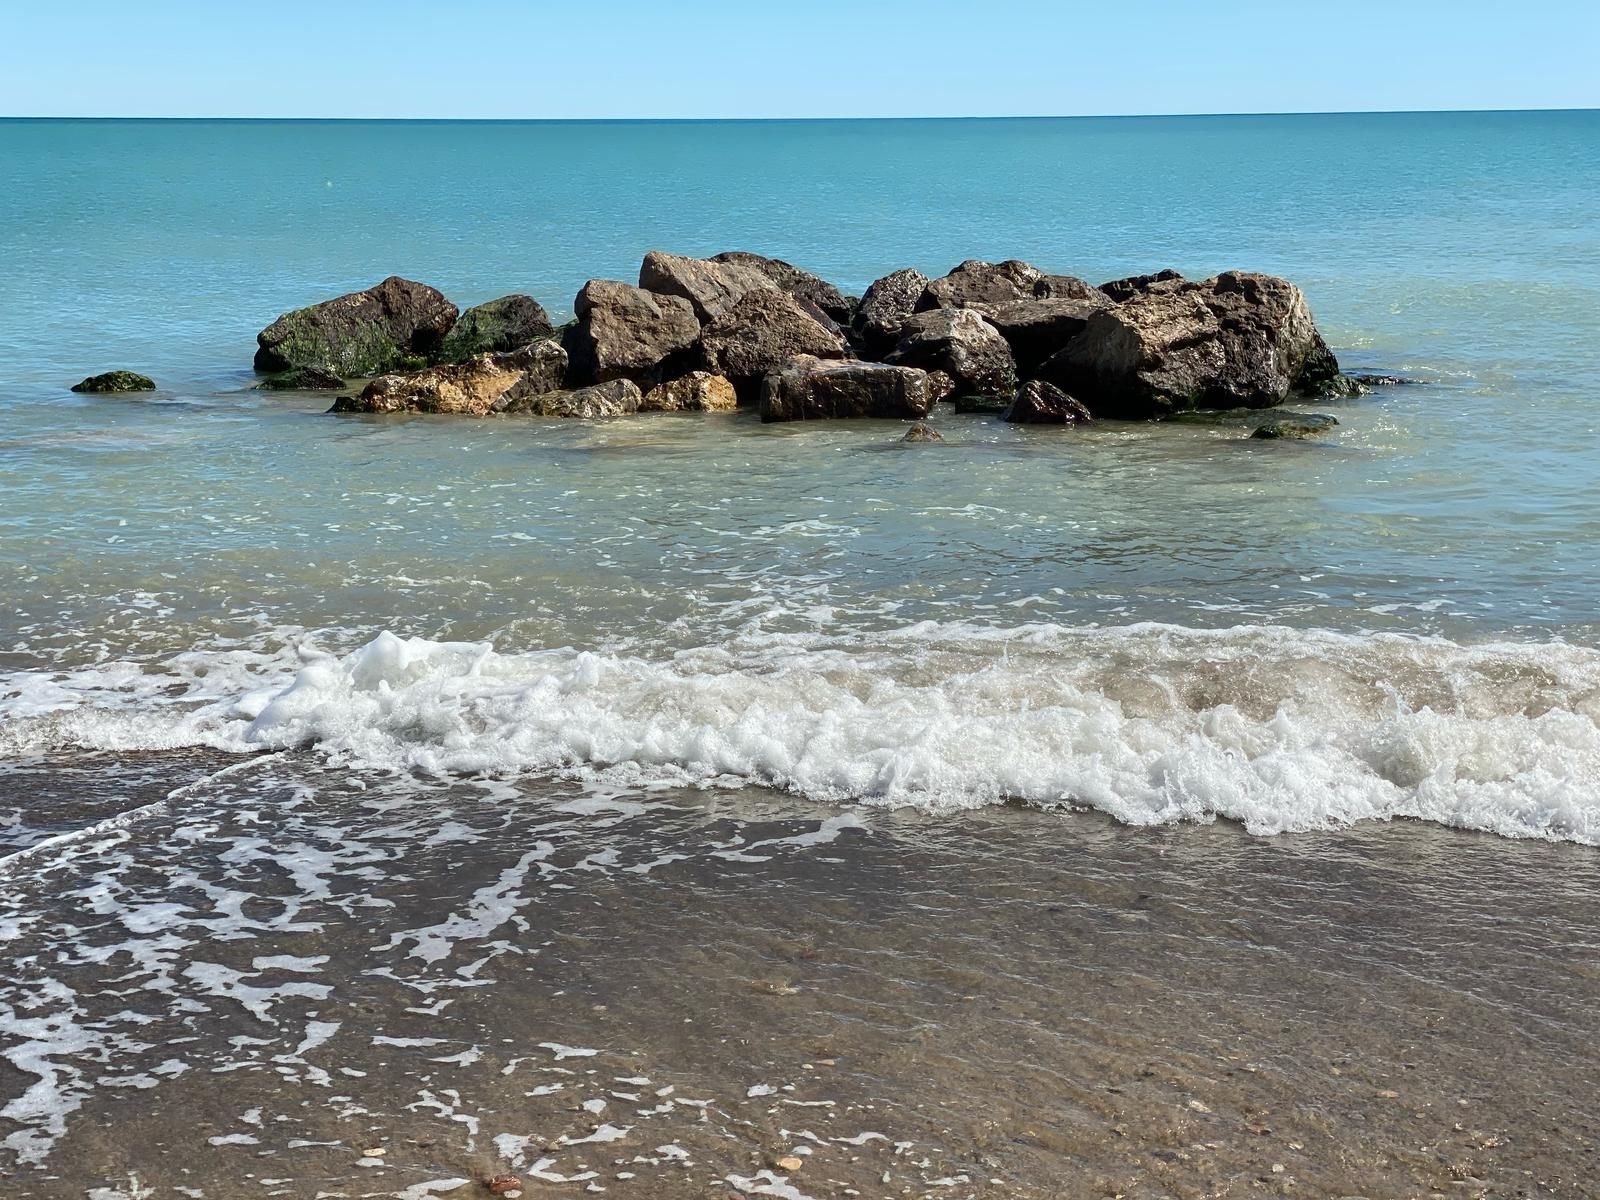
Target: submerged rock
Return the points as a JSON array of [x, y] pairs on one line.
[[395, 323], [1368, 379], [981, 285], [698, 391], [813, 388], [1037, 329], [616, 398], [116, 381], [710, 287], [484, 384], [1238, 340], [496, 327], [802, 285], [959, 342], [922, 433], [1294, 425], [758, 334], [302, 379], [624, 332], [1040, 403], [883, 311]]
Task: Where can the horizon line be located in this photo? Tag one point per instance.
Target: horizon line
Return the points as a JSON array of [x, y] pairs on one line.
[[1353, 112]]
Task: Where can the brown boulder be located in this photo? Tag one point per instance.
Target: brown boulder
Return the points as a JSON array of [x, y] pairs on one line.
[[1036, 329], [959, 342], [981, 285], [758, 334], [711, 287], [698, 391], [1137, 285], [484, 384], [615, 398], [1067, 287], [624, 332], [802, 285], [1040, 403], [1239, 340], [883, 311], [813, 389]]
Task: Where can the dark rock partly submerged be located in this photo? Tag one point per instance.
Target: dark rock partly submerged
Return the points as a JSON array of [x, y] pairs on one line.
[[116, 381], [1040, 403], [302, 379], [815, 389]]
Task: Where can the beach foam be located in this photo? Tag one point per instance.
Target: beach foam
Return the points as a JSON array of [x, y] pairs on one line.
[[1280, 729]]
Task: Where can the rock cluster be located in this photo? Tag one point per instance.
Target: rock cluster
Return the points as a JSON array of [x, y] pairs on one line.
[[739, 329]]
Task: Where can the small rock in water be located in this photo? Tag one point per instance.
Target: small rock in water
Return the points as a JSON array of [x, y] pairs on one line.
[[302, 379], [502, 1185], [922, 433], [1294, 425], [789, 1163], [1371, 379], [116, 381]]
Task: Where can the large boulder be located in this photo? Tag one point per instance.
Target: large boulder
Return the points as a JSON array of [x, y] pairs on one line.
[[711, 287], [496, 327], [616, 398], [1137, 285], [883, 311], [802, 285], [624, 332], [698, 391], [484, 384], [761, 332], [1036, 329], [814, 388], [360, 334], [116, 381], [959, 342], [1239, 340], [981, 285], [1040, 403]]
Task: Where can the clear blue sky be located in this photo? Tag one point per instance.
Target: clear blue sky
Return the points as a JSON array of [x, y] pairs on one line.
[[757, 58]]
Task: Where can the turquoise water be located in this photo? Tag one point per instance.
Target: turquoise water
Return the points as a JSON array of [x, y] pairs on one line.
[[176, 559]]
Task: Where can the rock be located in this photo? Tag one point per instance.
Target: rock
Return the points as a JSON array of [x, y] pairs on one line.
[[302, 379], [711, 287], [1236, 341], [758, 334], [1068, 287], [1137, 285], [116, 381], [883, 311], [624, 332], [940, 386], [361, 334], [496, 327], [698, 391], [1036, 329], [995, 406], [813, 388], [959, 342], [487, 383], [1294, 425], [981, 285], [1367, 379], [922, 433], [802, 285], [616, 398], [1040, 403]]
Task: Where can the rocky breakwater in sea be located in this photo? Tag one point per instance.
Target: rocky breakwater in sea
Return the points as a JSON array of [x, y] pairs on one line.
[[743, 331]]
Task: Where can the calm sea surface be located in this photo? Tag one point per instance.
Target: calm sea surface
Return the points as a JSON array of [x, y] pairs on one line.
[[491, 662]]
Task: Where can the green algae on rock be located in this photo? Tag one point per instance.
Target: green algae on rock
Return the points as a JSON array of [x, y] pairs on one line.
[[395, 324], [302, 379], [116, 381], [496, 327]]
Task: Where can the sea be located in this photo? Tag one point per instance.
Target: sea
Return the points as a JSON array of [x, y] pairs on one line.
[[685, 806]]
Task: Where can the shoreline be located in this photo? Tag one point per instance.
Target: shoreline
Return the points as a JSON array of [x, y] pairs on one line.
[[1036, 1001]]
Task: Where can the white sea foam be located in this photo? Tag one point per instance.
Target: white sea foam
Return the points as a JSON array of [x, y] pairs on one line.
[[1278, 728]]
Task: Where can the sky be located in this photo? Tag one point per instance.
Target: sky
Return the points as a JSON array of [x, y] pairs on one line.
[[824, 58]]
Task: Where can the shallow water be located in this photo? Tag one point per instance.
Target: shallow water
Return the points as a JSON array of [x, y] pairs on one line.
[[1253, 776]]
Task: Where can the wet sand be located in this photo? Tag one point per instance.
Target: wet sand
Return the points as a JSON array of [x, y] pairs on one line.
[[666, 995]]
